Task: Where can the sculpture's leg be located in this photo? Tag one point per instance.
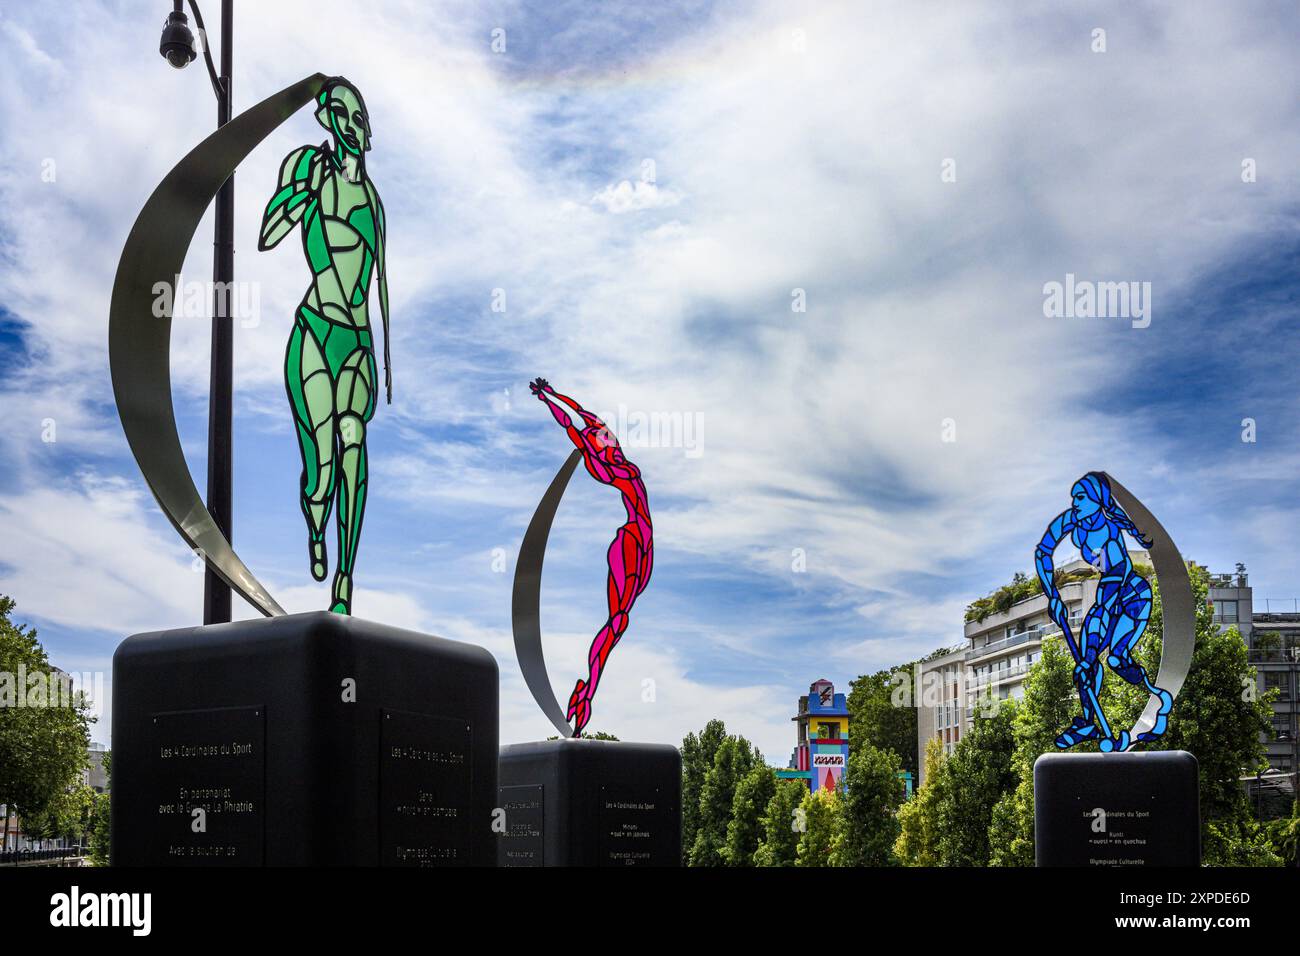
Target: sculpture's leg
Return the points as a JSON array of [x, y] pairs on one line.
[[354, 400], [311, 397], [625, 561], [1087, 680], [1130, 625]]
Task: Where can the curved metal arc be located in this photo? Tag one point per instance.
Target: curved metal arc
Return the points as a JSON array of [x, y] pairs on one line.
[[1177, 601], [526, 602], [139, 342]]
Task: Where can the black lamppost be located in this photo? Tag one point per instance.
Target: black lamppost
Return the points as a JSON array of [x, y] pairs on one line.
[[177, 46]]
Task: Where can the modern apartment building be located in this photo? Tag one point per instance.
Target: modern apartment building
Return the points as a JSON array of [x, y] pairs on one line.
[[941, 701], [1274, 646]]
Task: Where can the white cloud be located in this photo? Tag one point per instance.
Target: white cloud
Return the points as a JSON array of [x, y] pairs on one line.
[[91, 554], [627, 197]]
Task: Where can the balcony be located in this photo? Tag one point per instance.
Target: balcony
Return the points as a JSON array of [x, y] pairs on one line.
[[1005, 673], [1283, 608], [1274, 655], [1033, 634]]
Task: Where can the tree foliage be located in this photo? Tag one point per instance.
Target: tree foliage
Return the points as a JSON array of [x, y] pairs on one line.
[[876, 721], [698, 752], [43, 748], [745, 830], [101, 820], [732, 760], [982, 774], [867, 827], [821, 810], [918, 838], [1048, 706], [779, 843]]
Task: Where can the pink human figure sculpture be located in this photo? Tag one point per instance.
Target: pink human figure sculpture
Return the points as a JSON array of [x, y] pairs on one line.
[[631, 554]]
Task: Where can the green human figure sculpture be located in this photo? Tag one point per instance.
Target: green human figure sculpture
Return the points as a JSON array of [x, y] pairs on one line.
[[329, 367]]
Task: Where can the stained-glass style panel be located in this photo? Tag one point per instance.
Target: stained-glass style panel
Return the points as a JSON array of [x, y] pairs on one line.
[[1111, 629], [329, 371]]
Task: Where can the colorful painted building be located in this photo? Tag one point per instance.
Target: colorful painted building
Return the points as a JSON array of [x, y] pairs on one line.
[[823, 734]]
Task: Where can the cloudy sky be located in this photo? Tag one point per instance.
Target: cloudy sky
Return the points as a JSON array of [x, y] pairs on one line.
[[819, 234]]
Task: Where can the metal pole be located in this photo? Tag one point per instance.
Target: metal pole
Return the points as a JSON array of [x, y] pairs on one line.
[[216, 593]]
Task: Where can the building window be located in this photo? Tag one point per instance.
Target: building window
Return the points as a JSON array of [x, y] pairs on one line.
[[1225, 611], [1279, 679]]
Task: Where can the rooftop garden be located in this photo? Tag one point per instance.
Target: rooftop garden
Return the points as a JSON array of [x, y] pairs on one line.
[[1021, 588]]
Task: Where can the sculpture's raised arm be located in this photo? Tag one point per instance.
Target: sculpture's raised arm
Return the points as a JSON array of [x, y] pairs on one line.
[[564, 410], [300, 179]]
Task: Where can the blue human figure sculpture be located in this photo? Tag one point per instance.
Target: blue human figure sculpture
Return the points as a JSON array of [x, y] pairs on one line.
[[1096, 523]]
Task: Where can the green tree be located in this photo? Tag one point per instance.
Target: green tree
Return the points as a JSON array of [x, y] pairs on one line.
[[982, 773], [698, 752], [868, 821], [1285, 836], [779, 842], [67, 816], [43, 748], [1219, 719], [733, 760], [821, 813], [1048, 706], [877, 717], [1238, 841], [100, 828], [918, 837], [745, 830]]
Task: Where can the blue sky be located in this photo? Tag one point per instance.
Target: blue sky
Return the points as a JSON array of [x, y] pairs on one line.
[[649, 185]]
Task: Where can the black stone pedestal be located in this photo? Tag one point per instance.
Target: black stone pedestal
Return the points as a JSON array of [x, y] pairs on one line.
[[1122, 809], [303, 740], [591, 803]]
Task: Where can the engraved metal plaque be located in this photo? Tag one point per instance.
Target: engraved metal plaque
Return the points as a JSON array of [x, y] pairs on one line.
[[424, 790], [633, 824], [208, 777], [1117, 810], [525, 810]]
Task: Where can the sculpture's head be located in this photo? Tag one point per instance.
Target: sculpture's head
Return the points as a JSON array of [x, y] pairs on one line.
[[602, 440], [341, 110], [1090, 494]]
